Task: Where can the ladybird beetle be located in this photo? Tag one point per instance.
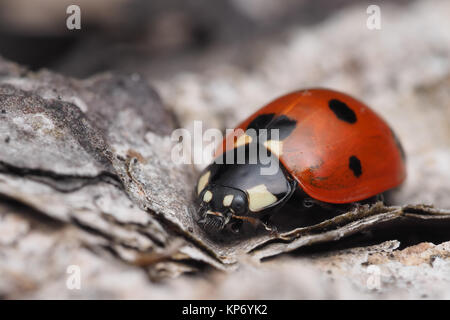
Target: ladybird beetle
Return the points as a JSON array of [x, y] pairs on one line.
[[331, 151]]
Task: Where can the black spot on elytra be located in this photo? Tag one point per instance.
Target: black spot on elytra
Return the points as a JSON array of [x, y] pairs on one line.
[[284, 124], [261, 121], [342, 111], [355, 165]]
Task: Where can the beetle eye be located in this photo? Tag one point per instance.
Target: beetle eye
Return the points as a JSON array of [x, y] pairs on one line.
[[238, 204]]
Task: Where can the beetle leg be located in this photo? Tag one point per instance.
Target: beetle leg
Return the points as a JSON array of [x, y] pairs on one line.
[[253, 221]]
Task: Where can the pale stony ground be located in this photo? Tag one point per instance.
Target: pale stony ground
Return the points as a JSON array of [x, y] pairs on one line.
[[402, 71]]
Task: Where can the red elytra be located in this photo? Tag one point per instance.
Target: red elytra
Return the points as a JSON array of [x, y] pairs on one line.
[[317, 152]]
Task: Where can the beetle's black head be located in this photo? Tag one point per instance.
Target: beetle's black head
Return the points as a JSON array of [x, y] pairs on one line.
[[219, 205], [247, 179]]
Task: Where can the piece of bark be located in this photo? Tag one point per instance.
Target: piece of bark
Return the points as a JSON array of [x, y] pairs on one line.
[[68, 147]]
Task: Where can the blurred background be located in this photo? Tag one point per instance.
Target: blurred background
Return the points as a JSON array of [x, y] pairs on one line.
[[156, 34]]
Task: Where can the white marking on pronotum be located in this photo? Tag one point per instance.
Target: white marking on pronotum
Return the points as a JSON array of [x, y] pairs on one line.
[[227, 200], [207, 196], [275, 146], [202, 182], [243, 140], [259, 198]]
